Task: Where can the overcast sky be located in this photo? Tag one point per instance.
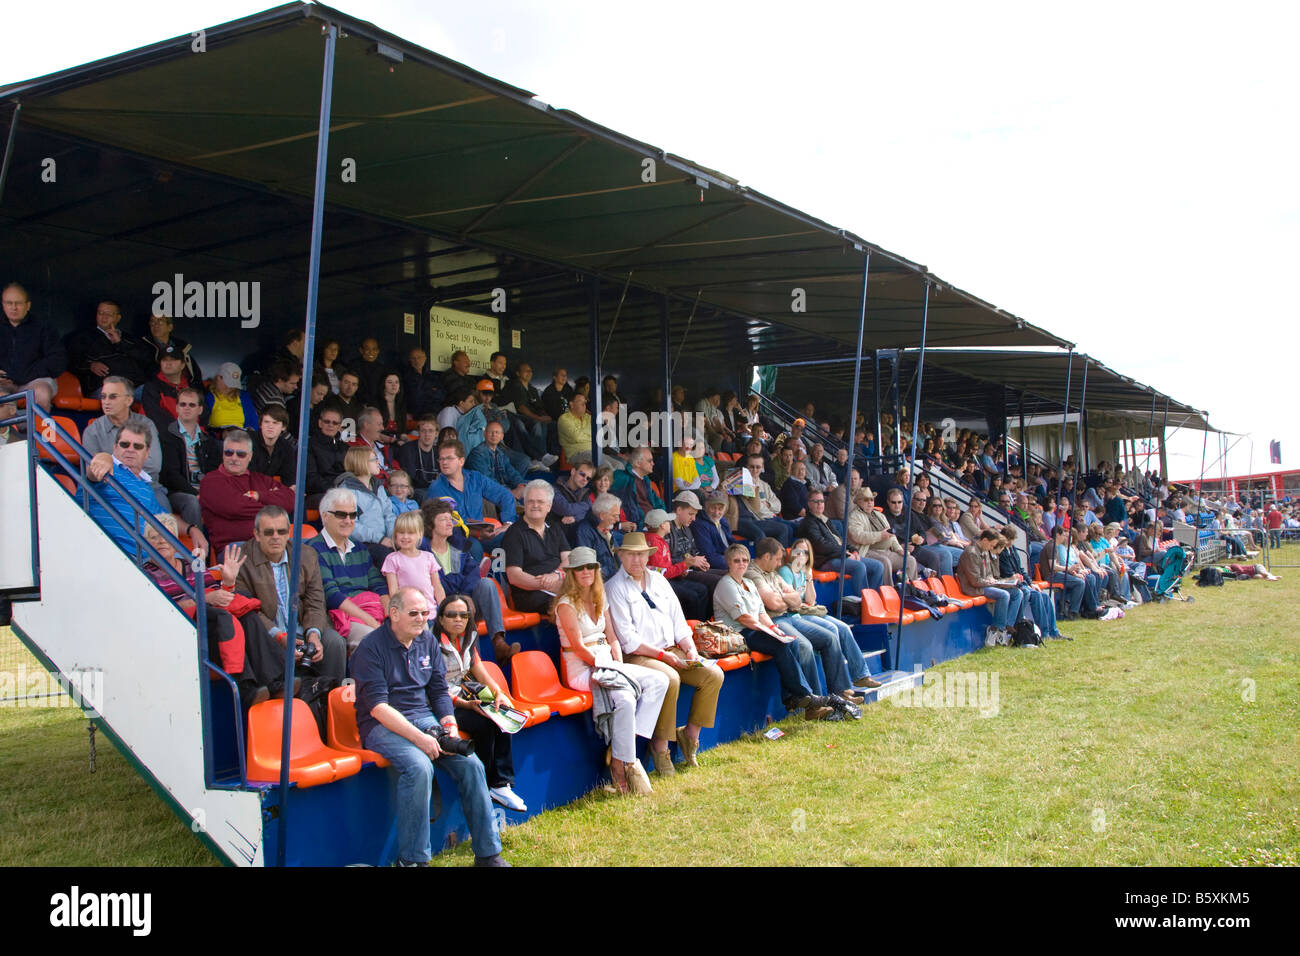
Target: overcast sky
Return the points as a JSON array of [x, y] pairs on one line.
[[1120, 174]]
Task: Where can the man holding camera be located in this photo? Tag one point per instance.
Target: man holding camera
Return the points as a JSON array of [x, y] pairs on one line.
[[404, 712]]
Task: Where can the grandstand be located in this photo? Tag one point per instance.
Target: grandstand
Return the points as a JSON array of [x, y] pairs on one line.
[[484, 220]]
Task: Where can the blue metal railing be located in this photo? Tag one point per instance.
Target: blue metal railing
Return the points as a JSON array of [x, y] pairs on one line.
[[784, 415], [45, 439]]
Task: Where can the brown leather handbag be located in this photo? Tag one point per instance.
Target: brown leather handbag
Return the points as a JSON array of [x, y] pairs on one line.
[[715, 639]]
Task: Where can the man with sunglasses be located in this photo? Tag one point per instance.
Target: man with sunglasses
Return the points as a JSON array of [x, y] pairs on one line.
[[232, 495], [403, 702], [326, 450], [265, 576], [648, 621], [188, 453], [126, 463], [346, 569]]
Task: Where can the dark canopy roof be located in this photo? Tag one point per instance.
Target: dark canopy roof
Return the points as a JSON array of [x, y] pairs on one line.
[[958, 381], [493, 177]]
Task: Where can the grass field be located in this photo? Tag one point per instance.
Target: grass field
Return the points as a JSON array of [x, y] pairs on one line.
[[1170, 738]]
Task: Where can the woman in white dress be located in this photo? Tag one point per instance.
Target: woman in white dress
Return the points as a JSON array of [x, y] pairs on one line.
[[588, 643]]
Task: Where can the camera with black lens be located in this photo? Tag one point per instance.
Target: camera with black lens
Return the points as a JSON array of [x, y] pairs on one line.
[[450, 743]]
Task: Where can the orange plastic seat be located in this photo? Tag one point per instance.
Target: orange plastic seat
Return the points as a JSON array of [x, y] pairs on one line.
[[514, 620], [1045, 585], [955, 591], [311, 514], [54, 438], [922, 584], [536, 712], [69, 396], [954, 603], [734, 661], [564, 679], [341, 726], [311, 763], [875, 612], [534, 681], [889, 598], [826, 576], [66, 481], [757, 657]]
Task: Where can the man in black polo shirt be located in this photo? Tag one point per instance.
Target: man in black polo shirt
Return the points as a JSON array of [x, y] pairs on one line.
[[402, 695], [535, 552]]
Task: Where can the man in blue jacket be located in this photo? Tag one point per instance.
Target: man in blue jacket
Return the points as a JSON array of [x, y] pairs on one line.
[[467, 489], [712, 532], [402, 696]]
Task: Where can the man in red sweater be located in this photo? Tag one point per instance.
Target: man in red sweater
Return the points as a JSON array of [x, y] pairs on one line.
[[231, 496]]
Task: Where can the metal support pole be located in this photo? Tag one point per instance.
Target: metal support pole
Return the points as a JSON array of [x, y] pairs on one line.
[[1151, 434], [896, 399], [1200, 484], [597, 389], [1164, 458], [875, 394], [1024, 446], [911, 469], [668, 396], [1081, 460], [1065, 416], [304, 413], [853, 418], [9, 149]]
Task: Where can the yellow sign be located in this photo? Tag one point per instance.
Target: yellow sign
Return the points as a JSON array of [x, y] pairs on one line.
[[451, 330]]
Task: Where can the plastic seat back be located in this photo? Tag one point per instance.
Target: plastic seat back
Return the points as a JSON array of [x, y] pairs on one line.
[[311, 763], [341, 727], [537, 712], [53, 437], [536, 681]]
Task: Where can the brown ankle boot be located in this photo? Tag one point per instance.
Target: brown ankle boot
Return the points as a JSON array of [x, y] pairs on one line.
[[503, 650]]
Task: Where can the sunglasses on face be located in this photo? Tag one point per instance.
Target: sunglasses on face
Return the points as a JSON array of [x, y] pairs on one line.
[[586, 567], [414, 614], [345, 515], [187, 404], [330, 421], [137, 445], [276, 532], [457, 615], [235, 452]]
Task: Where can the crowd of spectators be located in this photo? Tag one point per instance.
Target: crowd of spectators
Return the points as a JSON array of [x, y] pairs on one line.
[[427, 482]]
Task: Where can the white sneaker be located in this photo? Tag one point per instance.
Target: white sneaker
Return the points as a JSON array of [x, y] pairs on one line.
[[990, 636], [548, 459], [1112, 614], [1004, 637], [508, 799], [538, 465]]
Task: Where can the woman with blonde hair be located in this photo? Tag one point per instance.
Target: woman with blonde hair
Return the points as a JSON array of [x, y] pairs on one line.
[[626, 697], [361, 477]]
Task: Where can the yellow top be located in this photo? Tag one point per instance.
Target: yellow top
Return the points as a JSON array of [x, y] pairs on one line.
[[227, 411]]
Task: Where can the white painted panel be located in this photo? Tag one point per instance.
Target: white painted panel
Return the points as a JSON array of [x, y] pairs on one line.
[[15, 518], [98, 613]]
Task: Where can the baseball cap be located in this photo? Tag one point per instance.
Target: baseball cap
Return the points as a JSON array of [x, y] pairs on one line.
[[230, 375]]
